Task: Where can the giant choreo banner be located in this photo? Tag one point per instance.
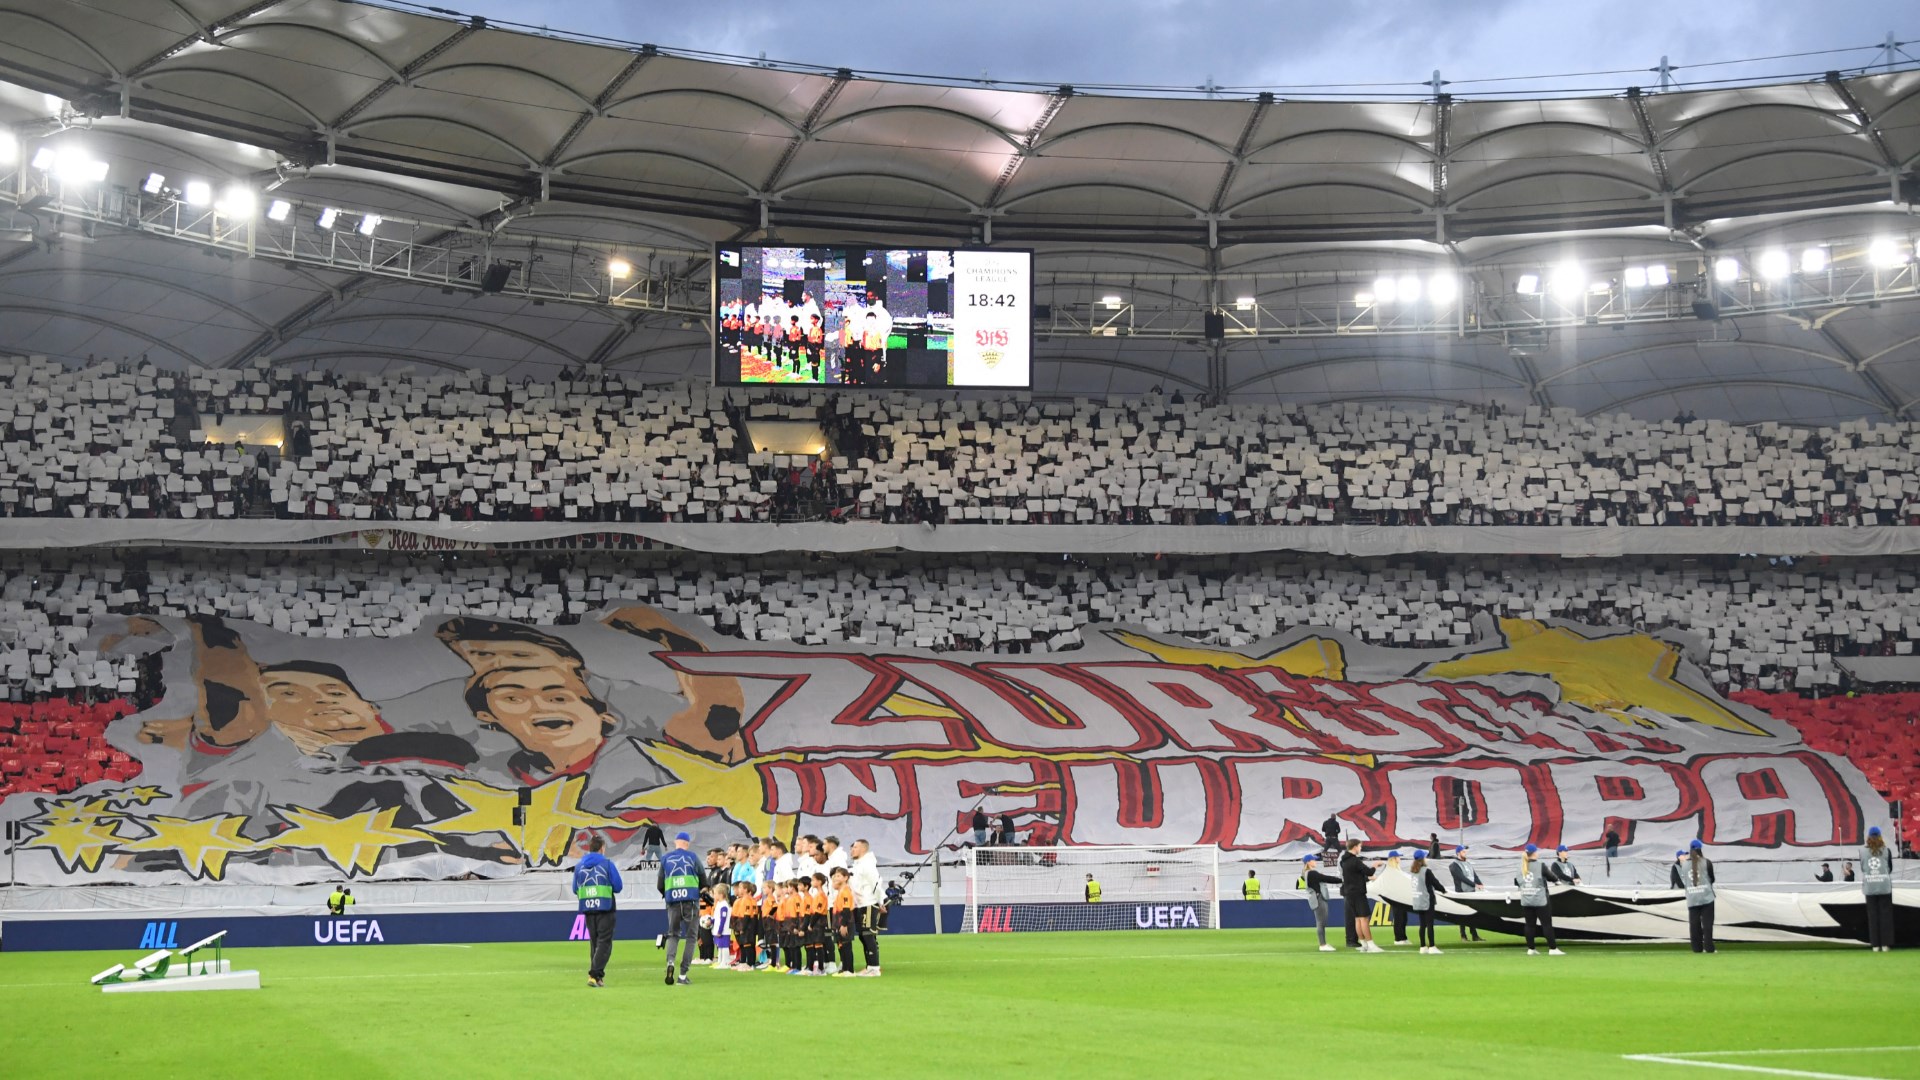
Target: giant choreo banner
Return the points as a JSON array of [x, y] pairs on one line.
[[275, 759]]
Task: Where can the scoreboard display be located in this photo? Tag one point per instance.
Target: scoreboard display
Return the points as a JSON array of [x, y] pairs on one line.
[[846, 315]]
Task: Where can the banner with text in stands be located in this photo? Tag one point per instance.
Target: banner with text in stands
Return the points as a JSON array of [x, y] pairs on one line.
[[274, 758]]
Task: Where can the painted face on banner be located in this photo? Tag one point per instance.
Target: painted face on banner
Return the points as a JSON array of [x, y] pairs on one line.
[[548, 710], [317, 709], [485, 656]]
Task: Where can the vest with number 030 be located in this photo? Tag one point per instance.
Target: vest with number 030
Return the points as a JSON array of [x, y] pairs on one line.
[[1876, 872]]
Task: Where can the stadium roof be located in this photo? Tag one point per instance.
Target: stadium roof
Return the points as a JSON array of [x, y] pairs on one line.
[[479, 145]]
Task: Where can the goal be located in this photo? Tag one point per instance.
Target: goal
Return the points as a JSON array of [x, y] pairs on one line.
[[1045, 888]]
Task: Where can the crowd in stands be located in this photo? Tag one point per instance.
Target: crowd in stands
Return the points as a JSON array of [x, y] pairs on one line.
[[1749, 623], [60, 744], [131, 440]]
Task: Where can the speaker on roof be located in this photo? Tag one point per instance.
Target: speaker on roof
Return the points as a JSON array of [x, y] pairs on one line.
[[1216, 326], [496, 277]]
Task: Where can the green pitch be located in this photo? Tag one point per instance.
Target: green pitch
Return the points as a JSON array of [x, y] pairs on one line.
[[1176, 1004]]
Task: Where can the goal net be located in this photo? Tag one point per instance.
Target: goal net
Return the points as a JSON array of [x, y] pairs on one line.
[[1046, 888]]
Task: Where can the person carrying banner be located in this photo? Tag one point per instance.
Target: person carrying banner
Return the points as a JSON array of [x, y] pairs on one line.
[[1876, 883], [1425, 885], [1674, 880], [1466, 879], [1699, 886], [1314, 883], [1354, 875], [1536, 902], [595, 880], [1561, 870], [679, 883], [1396, 911]]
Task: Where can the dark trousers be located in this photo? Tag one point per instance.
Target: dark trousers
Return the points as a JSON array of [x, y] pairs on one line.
[[1426, 929], [1700, 927], [865, 920], [1398, 916], [1465, 930], [846, 953], [1538, 919], [1352, 910], [599, 943], [1880, 921]]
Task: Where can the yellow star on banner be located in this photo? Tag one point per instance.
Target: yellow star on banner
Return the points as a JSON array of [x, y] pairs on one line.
[[553, 816], [1609, 674], [353, 844], [79, 808], [1317, 658], [203, 844], [735, 792], [138, 795], [488, 810], [75, 842]]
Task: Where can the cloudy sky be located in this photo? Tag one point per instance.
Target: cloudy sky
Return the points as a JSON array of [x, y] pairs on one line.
[[1269, 43]]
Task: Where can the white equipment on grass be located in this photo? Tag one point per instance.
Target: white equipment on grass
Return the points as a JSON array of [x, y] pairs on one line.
[[1045, 888], [157, 971]]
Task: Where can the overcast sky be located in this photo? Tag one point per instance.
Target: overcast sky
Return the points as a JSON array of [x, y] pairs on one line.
[[1250, 42]]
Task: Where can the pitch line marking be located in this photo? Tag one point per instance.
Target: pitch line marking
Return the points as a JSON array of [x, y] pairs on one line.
[[1688, 1057]]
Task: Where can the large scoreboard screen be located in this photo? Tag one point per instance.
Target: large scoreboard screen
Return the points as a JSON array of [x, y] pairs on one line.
[[845, 315]]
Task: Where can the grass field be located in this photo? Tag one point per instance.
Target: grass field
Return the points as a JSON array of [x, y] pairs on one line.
[[1175, 1004]]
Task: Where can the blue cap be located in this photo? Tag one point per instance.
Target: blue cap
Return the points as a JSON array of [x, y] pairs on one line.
[[1394, 854], [1461, 850], [1531, 848], [1875, 831], [1309, 858], [1682, 851], [683, 836], [1696, 845], [1562, 847]]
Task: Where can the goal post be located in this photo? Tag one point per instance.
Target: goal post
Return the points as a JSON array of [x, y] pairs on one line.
[[1045, 888]]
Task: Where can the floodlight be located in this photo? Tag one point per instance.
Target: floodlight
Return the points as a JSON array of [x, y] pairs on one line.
[[1244, 303], [1527, 285], [327, 217], [74, 167], [1409, 289], [1364, 299], [199, 193], [1385, 290], [278, 209], [9, 147], [1886, 252], [1567, 281], [1442, 288], [44, 158], [368, 224], [1726, 269], [1774, 263], [1635, 277], [619, 269], [1657, 275], [155, 184], [236, 202], [1813, 261], [1111, 303]]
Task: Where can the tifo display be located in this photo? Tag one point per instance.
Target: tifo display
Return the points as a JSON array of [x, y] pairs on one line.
[[871, 317]]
